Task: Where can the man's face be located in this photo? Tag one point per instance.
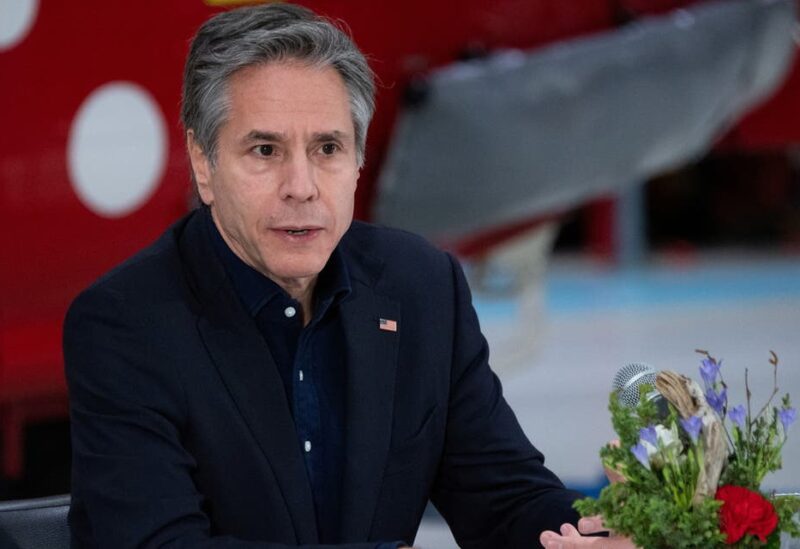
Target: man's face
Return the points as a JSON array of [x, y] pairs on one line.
[[283, 187]]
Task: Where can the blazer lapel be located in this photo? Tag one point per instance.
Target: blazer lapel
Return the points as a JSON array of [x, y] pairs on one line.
[[250, 375], [371, 365]]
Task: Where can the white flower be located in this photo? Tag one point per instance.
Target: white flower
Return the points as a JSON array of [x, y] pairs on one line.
[[668, 441], [668, 449]]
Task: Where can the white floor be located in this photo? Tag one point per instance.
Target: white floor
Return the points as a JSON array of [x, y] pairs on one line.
[[593, 320]]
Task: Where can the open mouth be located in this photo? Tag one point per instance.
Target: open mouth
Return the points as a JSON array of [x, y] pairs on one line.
[[297, 232]]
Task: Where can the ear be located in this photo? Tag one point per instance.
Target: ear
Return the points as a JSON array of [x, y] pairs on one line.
[[201, 168]]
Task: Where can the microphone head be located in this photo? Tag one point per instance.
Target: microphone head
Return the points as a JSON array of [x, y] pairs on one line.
[[628, 380]]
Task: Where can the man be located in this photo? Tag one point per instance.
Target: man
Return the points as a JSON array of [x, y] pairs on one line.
[[269, 374]]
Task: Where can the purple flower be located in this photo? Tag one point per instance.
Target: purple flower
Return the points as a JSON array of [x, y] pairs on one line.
[[737, 415], [640, 452], [787, 417], [692, 426], [648, 434], [717, 401], [709, 370]]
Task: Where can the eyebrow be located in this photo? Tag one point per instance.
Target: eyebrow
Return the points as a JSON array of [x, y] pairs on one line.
[[256, 135], [334, 135], [278, 137]]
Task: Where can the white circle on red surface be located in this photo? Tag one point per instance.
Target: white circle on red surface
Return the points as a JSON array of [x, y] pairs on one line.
[[16, 20], [117, 149]]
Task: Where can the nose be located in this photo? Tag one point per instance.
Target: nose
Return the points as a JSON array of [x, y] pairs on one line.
[[299, 180]]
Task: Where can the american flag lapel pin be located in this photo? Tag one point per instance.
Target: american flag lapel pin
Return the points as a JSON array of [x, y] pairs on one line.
[[387, 325]]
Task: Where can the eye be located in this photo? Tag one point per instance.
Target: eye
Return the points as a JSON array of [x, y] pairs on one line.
[[265, 150], [329, 148]]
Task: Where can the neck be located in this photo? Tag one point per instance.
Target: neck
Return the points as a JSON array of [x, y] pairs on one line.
[[300, 289]]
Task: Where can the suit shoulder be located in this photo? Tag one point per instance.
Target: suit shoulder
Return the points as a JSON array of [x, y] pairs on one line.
[[390, 242], [406, 258]]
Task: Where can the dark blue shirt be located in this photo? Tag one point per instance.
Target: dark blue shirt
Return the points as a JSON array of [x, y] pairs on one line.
[[311, 364], [310, 361]]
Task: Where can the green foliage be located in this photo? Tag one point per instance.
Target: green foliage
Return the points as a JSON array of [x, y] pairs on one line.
[[653, 520], [756, 447], [627, 424], [788, 508], [647, 506], [655, 507], [756, 452]]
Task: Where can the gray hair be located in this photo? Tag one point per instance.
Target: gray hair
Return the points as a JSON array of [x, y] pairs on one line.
[[261, 34]]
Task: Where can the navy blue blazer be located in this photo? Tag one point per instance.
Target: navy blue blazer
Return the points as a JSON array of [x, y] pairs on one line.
[[182, 436]]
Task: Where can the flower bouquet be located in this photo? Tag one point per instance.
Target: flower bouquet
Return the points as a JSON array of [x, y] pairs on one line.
[[693, 467]]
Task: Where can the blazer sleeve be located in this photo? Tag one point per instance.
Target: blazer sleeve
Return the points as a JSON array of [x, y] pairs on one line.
[[132, 477], [492, 487]]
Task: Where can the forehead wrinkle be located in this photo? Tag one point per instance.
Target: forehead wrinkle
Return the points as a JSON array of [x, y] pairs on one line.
[[282, 137], [261, 135], [333, 135]]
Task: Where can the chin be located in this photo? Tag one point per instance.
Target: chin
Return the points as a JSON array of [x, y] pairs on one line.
[[298, 271]]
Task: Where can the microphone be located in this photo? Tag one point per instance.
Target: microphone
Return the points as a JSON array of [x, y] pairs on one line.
[[628, 380]]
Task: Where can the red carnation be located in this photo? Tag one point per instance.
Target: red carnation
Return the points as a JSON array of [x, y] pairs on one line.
[[745, 512]]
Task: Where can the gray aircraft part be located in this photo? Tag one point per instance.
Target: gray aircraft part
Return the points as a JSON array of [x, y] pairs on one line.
[[522, 134]]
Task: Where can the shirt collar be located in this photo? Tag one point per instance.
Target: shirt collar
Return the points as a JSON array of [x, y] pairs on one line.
[[256, 290]]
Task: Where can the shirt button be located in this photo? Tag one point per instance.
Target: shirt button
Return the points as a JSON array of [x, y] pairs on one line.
[[300, 375], [290, 311], [307, 446]]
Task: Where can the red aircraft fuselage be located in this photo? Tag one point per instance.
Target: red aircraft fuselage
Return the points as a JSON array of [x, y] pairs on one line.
[[55, 242]]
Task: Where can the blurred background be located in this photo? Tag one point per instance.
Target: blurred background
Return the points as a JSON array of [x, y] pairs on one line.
[[621, 179]]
